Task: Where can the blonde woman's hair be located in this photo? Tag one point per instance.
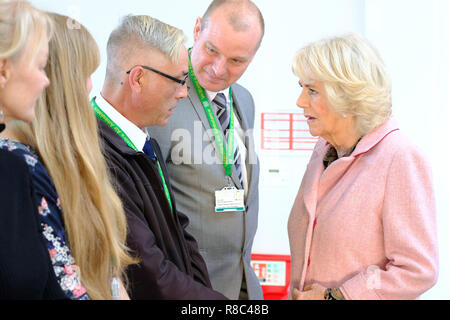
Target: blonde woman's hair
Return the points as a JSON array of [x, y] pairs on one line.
[[65, 135], [23, 29], [136, 34], [354, 76]]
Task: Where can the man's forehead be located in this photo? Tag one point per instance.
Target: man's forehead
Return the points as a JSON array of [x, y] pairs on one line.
[[233, 46]]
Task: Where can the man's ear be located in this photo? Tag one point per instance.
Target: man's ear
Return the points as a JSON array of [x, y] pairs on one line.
[[135, 79], [197, 28]]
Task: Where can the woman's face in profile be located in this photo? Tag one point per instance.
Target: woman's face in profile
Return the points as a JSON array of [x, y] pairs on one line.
[[322, 120], [27, 79]]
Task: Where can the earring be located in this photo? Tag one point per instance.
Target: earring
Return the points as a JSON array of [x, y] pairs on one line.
[[2, 125], [2, 115]]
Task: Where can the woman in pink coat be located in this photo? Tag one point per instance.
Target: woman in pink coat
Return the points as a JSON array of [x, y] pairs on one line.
[[363, 225]]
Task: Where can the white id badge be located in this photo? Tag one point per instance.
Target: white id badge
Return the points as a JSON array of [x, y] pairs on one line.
[[229, 199]]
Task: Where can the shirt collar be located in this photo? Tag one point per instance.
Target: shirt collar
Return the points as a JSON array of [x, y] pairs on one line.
[[211, 95], [332, 154], [136, 135], [373, 138], [366, 143]]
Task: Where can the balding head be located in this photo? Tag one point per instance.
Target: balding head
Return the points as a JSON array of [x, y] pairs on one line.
[[226, 40], [240, 14]]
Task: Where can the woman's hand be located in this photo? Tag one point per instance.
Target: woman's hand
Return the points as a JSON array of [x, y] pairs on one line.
[[314, 292]]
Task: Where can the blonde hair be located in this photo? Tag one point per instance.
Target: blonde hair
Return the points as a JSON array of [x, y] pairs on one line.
[[136, 34], [23, 29], [65, 135], [354, 77]]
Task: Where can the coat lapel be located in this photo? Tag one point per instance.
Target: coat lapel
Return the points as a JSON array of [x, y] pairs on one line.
[[318, 180], [247, 142], [337, 169], [242, 120], [244, 125], [198, 108], [374, 137], [311, 179]]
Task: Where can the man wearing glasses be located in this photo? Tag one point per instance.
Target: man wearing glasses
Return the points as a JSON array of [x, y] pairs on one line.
[[146, 75], [216, 185]]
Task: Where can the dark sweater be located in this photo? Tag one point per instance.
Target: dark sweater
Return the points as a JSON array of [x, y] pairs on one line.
[[171, 266], [25, 268]]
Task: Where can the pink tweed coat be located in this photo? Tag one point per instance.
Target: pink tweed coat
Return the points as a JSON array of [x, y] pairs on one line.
[[366, 224]]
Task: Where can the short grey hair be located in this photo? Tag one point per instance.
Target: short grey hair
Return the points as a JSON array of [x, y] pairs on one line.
[[136, 33], [354, 76]]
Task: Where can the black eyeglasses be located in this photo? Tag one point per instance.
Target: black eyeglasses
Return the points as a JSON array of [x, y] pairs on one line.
[[182, 82]]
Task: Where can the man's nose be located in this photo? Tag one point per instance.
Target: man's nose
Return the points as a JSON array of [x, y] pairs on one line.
[[219, 66], [182, 92]]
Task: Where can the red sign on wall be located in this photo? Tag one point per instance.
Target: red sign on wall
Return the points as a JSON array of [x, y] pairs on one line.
[[274, 274], [286, 131]]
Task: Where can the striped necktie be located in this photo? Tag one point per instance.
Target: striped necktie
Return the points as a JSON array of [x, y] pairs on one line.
[[223, 114]]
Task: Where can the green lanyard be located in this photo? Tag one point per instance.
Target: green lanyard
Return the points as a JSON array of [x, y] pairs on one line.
[[104, 117], [227, 154]]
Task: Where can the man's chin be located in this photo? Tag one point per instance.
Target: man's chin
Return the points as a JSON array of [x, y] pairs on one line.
[[163, 123], [213, 85]]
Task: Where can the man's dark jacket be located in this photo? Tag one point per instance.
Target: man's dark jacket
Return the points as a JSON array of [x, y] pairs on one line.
[[170, 266]]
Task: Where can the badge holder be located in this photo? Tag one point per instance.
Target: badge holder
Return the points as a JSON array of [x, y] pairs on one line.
[[230, 199]]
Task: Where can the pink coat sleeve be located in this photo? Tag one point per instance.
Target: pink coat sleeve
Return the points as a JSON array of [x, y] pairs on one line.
[[410, 235]]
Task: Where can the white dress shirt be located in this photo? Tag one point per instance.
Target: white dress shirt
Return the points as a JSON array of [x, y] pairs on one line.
[[136, 135]]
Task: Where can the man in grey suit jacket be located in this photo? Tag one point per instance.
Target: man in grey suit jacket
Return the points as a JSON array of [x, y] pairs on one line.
[[226, 39]]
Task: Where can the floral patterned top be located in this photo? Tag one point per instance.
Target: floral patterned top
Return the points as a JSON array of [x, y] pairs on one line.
[[52, 223]]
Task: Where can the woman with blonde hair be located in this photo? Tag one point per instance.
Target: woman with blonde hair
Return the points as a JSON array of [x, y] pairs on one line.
[[363, 225], [82, 217], [25, 268]]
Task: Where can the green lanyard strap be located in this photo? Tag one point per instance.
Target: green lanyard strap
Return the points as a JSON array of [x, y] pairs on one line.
[[166, 189], [104, 117], [226, 153]]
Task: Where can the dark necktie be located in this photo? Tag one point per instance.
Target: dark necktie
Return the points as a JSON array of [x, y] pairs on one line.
[[223, 115], [148, 149]]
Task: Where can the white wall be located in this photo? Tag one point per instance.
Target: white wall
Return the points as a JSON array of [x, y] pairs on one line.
[[412, 36], [100, 17]]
